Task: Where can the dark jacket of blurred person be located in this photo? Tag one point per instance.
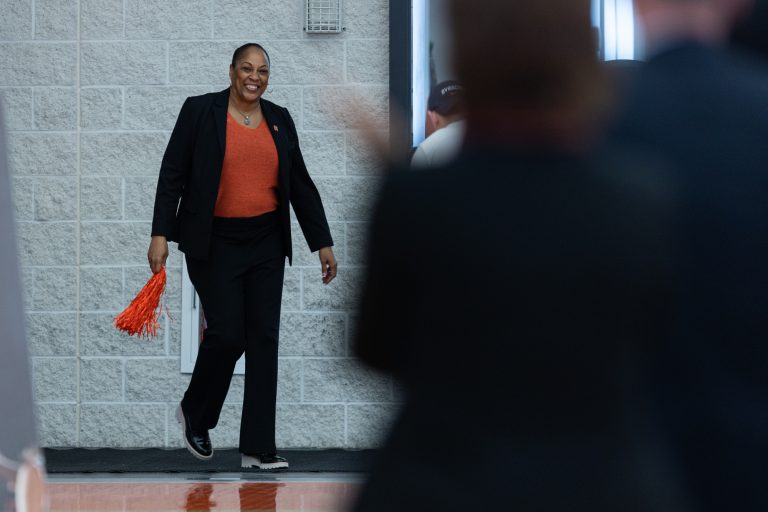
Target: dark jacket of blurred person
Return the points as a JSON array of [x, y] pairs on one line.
[[704, 108], [516, 293], [751, 33]]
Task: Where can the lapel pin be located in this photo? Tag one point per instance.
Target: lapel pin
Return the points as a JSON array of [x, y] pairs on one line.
[[274, 127]]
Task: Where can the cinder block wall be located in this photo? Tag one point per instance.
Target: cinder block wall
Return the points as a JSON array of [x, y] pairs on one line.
[[92, 89]]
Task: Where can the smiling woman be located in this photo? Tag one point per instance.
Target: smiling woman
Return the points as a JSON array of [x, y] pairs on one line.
[[249, 74], [231, 169]]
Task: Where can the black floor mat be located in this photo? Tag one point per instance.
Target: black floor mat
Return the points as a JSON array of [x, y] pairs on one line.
[[156, 460]]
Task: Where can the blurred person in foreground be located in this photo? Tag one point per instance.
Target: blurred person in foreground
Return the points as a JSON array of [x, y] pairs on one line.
[[517, 292], [445, 113], [703, 106], [22, 467]]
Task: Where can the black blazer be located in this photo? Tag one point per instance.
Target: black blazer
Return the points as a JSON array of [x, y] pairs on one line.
[[191, 170]]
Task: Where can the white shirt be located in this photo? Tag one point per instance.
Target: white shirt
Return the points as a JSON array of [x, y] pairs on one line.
[[440, 147]]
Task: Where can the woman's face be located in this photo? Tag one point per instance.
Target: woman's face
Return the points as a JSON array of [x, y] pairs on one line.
[[250, 75]]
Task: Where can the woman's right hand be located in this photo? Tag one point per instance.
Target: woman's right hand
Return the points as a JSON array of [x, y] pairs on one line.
[[158, 253]]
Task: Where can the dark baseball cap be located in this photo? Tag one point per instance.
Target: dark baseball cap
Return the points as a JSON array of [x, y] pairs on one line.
[[446, 97]]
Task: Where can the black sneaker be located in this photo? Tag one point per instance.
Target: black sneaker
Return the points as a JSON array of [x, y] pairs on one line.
[[263, 461], [197, 442]]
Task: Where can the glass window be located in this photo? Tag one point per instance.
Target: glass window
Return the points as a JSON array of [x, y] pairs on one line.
[[422, 26]]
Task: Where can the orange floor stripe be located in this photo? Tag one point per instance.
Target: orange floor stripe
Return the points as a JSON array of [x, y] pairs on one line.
[[251, 496]]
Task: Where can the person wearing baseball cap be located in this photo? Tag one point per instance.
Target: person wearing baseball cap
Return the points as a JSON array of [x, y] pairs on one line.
[[446, 113]]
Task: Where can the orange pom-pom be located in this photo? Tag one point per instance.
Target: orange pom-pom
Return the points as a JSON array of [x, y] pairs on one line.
[[141, 317]]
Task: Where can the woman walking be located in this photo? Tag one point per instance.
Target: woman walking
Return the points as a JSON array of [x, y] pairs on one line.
[[232, 167]]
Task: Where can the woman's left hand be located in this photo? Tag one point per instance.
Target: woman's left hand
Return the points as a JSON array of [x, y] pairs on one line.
[[328, 264]]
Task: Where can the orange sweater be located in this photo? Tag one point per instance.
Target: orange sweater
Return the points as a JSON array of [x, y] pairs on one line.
[[248, 185]]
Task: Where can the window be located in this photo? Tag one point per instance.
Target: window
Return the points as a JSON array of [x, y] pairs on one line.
[[614, 21], [420, 53]]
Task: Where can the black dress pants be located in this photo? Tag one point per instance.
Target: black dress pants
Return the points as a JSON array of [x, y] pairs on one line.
[[240, 288]]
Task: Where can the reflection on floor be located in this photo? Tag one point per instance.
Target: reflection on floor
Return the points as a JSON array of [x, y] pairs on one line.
[[326, 493]]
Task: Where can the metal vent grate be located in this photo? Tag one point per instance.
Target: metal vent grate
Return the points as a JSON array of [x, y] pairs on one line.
[[323, 17]]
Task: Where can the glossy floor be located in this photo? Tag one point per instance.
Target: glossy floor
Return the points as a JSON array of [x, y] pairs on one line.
[[241, 492]]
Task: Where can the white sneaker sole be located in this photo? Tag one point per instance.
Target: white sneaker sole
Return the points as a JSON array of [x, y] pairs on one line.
[[180, 418], [247, 461]]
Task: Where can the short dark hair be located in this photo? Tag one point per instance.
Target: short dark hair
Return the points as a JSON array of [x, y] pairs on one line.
[[544, 53], [240, 51]]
